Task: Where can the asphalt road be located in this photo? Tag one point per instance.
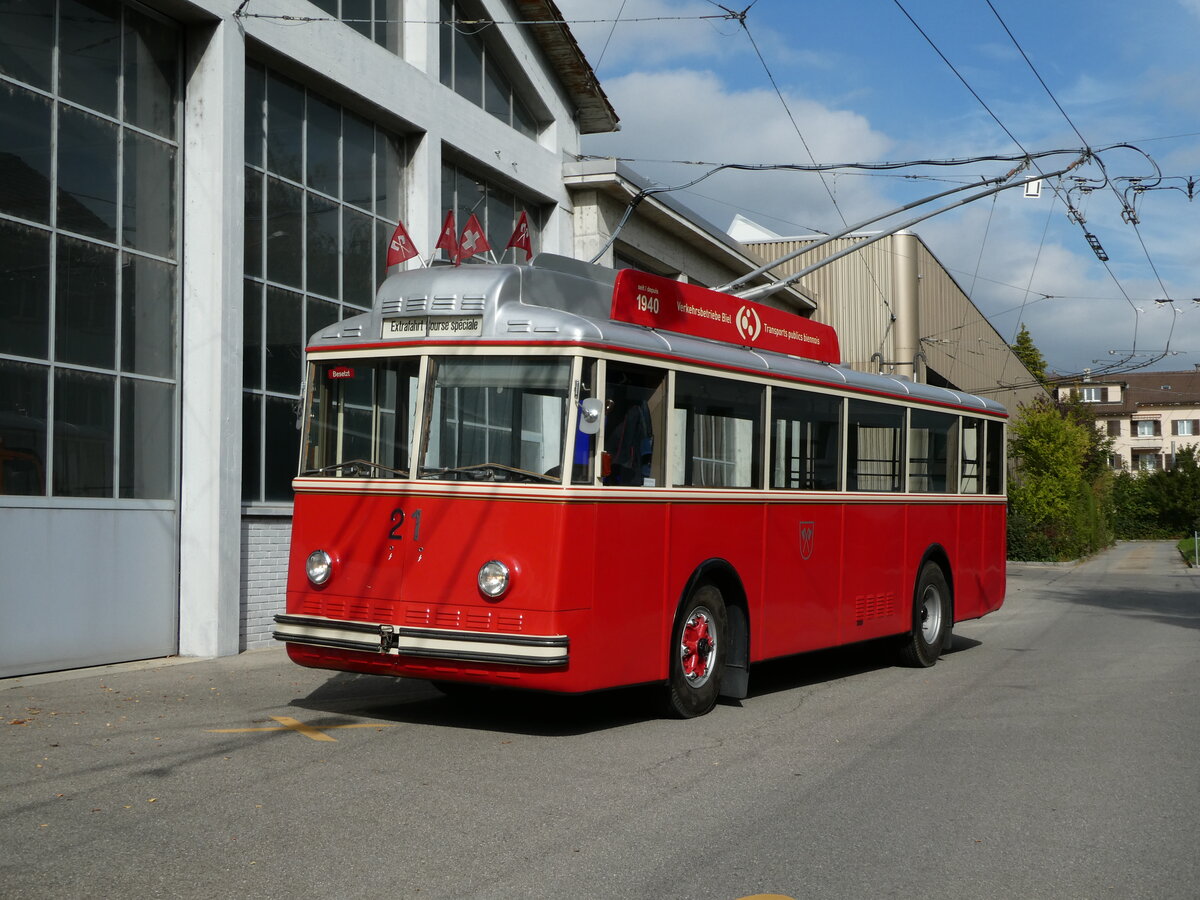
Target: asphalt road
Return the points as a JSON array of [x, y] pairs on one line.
[[1053, 753]]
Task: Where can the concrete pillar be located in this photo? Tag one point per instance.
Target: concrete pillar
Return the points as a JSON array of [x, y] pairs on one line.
[[211, 386]]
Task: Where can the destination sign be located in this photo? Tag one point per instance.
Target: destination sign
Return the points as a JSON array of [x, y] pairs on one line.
[[432, 326], [643, 299]]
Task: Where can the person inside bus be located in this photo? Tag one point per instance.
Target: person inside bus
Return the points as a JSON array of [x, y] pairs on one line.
[[629, 443]]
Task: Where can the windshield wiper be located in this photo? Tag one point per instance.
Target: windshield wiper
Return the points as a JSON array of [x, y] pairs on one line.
[[490, 471], [356, 467]]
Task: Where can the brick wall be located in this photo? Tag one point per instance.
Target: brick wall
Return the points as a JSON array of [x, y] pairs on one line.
[[264, 577]]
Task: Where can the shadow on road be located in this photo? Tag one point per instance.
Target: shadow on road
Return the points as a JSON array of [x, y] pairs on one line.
[[1177, 607], [483, 708]]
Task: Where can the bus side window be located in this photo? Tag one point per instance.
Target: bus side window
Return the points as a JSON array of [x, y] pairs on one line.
[[720, 430], [933, 452], [806, 428], [995, 457], [972, 456], [875, 446], [635, 398]]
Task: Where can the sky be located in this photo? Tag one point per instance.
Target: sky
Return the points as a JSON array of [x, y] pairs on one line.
[[865, 81]]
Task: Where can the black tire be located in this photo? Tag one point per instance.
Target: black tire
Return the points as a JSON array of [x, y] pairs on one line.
[[697, 653], [931, 621]]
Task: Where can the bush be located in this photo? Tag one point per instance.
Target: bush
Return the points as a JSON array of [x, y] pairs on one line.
[[1060, 495]]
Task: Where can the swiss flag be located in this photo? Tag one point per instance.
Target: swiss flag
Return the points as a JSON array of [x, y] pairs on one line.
[[473, 240], [520, 237], [400, 247], [448, 239]]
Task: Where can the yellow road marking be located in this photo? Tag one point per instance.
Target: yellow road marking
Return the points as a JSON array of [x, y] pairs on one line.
[[287, 723]]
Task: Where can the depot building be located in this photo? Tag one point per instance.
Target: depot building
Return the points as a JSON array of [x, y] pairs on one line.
[[188, 190]]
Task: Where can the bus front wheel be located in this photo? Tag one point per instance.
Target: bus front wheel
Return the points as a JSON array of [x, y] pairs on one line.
[[932, 619], [697, 656]]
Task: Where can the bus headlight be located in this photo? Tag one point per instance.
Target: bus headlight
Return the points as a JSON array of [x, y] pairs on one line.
[[493, 578], [319, 567]]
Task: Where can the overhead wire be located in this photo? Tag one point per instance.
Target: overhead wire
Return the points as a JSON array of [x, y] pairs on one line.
[[1128, 212]]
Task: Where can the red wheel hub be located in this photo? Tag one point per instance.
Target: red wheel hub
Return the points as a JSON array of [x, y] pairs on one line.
[[697, 647]]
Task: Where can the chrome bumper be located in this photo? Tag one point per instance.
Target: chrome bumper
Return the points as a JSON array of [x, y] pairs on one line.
[[434, 643]]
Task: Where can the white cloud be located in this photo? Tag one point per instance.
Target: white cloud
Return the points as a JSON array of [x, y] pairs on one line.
[[691, 115]]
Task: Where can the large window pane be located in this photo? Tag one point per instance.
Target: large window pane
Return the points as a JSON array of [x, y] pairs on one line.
[[358, 148], [86, 310], [285, 340], [468, 66], [318, 314], [27, 40], [285, 232], [357, 14], [285, 127], [24, 290], [87, 174], [147, 440], [25, 159], [151, 73], [256, 113], [389, 169], [358, 278], [501, 217], [321, 257], [446, 42], [147, 316], [22, 428], [252, 334], [315, 243], [496, 95], [281, 449], [148, 219], [251, 447], [324, 128], [83, 434], [89, 39], [253, 231]]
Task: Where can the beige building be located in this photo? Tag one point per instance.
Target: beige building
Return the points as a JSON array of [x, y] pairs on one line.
[[1150, 416]]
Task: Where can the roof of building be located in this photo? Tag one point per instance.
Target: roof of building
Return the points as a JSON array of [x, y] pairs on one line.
[[671, 216], [1142, 390], [595, 113]]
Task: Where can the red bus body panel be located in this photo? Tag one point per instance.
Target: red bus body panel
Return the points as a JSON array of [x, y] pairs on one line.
[[607, 569]]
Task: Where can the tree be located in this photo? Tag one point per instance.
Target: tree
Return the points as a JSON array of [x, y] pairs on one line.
[[1175, 493], [1025, 350], [1060, 494]]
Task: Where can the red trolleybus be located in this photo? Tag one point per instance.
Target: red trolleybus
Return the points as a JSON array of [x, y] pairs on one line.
[[565, 478]]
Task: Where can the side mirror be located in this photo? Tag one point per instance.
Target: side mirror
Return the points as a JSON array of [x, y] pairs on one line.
[[589, 415]]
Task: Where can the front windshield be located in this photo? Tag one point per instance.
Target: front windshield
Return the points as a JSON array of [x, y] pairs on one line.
[[496, 419], [360, 417]]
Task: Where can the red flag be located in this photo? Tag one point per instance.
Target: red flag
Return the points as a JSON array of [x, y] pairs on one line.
[[448, 239], [473, 240], [400, 247], [520, 237]]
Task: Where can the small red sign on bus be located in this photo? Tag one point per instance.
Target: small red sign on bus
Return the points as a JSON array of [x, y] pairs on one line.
[[644, 299], [339, 372]]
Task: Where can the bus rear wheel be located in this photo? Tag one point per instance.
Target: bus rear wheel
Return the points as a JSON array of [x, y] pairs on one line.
[[932, 619], [697, 656]]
